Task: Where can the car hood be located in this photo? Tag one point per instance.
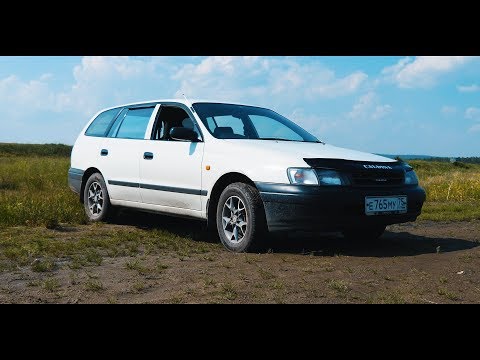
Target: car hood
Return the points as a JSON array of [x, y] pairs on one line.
[[301, 150]]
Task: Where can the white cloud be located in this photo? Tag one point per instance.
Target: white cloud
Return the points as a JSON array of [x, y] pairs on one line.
[[474, 128], [381, 111], [102, 81], [29, 113], [315, 124], [98, 82], [448, 110], [18, 97], [241, 78], [363, 104], [472, 113], [340, 87], [423, 71], [46, 77], [220, 77], [468, 88], [368, 107]]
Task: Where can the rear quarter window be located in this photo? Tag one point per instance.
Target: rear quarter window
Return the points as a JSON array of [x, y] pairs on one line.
[[101, 124]]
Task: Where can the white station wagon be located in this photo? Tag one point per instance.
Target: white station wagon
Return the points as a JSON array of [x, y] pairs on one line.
[[243, 169]]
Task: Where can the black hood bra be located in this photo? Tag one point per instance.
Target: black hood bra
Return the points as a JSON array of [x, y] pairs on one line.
[[356, 165]]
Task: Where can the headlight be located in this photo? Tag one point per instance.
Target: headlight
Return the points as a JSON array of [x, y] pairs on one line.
[[410, 177], [302, 176], [299, 176]]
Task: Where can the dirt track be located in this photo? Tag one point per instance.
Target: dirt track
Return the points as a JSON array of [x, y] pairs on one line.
[[424, 262]]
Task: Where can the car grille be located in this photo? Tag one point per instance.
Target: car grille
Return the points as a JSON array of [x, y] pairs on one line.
[[377, 178]]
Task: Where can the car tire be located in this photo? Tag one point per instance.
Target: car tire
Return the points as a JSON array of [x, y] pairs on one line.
[[96, 200], [364, 234], [240, 218]]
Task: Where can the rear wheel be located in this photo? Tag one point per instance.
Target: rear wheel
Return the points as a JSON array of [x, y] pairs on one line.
[[96, 200], [371, 233], [240, 218]]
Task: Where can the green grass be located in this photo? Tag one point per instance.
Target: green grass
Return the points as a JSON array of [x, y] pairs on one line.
[[10, 149], [37, 247], [229, 292], [43, 265], [138, 266], [34, 191], [393, 297], [340, 286], [448, 294], [94, 285], [51, 284], [139, 286]]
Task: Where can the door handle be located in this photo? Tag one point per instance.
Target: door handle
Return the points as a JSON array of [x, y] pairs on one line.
[[148, 156], [104, 152]]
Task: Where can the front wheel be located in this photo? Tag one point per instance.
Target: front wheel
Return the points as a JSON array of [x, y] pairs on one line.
[[96, 199], [365, 233], [240, 217]]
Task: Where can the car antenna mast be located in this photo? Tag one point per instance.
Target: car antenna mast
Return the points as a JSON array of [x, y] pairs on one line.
[[188, 103]]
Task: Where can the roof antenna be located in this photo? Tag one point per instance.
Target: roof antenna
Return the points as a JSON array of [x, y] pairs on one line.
[[188, 103]]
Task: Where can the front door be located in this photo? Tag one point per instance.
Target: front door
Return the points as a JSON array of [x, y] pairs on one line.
[[170, 170]]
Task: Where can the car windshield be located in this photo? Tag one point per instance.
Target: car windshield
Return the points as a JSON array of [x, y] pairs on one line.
[[228, 121]]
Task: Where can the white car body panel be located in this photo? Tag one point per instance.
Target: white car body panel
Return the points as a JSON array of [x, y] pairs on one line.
[[122, 164], [175, 164]]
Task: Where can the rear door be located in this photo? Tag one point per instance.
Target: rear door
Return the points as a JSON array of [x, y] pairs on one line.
[[86, 152], [122, 151]]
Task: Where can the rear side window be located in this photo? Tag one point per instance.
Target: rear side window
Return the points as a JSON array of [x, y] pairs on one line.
[[102, 122], [135, 124]]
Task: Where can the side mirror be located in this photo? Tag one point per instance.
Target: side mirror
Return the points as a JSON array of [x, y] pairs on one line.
[[183, 134]]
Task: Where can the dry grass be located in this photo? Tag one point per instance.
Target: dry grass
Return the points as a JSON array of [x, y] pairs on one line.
[[453, 190]]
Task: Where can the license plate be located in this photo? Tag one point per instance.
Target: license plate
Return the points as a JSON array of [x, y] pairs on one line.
[[385, 205]]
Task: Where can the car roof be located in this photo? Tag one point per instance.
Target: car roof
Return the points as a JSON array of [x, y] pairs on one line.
[[181, 101]]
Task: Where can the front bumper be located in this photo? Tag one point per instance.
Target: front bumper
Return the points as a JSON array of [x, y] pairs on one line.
[[331, 208]]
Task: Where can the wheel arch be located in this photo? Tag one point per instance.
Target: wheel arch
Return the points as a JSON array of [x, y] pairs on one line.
[[85, 177], [221, 183]]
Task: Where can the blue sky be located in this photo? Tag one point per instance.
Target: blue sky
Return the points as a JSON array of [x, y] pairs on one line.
[[395, 105]]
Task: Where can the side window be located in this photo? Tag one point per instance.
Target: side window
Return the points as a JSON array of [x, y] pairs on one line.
[[102, 122], [135, 123], [268, 127], [170, 117], [118, 121]]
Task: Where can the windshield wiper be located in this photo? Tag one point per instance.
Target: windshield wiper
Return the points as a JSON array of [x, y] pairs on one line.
[[281, 139], [273, 138]]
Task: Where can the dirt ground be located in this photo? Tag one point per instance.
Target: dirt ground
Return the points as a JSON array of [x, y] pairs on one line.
[[426, 262]]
